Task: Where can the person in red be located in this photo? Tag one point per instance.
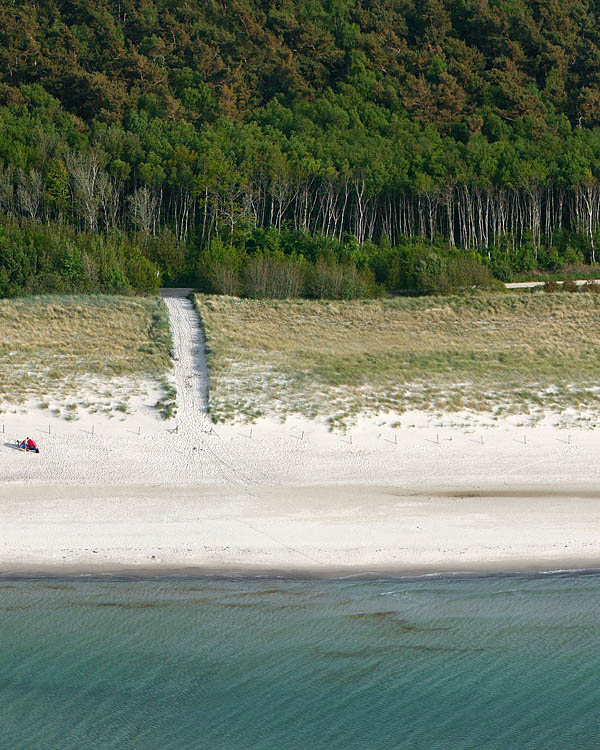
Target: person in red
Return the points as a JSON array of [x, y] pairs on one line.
[[29, 445]]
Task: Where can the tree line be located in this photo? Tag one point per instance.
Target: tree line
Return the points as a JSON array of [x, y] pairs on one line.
[[387, 137]]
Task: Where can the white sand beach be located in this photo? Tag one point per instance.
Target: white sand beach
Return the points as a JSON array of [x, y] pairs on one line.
[[316, 530], [432, 494]]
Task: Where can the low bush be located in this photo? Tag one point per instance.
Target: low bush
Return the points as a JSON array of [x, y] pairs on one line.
[[551, 287], [37, 258], [593, 287], [167, 405], [274, 277], [267, 272], [331, 280]]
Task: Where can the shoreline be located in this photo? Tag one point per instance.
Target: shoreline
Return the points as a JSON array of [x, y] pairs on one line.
[[300, 531], [587, 567]]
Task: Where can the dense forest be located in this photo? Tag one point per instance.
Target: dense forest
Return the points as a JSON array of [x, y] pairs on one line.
[[318, 147]]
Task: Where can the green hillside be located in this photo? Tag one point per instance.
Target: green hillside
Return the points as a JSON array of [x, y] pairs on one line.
[[394, 140]]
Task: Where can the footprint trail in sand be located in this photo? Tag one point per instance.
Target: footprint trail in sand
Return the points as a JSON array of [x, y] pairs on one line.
[[189, 365]]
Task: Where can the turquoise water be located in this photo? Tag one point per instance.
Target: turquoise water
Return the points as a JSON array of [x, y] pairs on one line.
[[487, 662]]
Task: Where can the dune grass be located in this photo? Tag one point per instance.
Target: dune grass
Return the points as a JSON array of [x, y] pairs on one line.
[[503, 353], [53, 346]]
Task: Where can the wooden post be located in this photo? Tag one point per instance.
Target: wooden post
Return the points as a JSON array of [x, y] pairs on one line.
[[92, 429], [48, 429], [139, 430]]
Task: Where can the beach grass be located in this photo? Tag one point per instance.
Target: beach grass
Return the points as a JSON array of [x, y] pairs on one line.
[[52, 346], [503, 353]]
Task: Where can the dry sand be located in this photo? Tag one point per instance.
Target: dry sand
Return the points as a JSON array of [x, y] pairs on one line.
[[432, 495], [317, 530]]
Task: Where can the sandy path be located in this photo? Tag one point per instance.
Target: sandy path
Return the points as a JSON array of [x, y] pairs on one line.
[[211, 457], [190, 368], [534, 284]]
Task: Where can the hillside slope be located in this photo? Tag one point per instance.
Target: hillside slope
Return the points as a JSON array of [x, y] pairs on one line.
[[445, 122]]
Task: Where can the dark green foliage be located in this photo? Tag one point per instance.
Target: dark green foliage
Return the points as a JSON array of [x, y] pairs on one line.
[[283, 265], [592, 287], [551, 287], [50, 258], [318, 147]]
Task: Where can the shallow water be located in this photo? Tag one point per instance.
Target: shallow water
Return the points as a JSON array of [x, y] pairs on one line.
[[482, 662]]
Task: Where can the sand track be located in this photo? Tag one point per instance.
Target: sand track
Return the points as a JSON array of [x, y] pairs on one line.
[[189, 364], [211, 457]]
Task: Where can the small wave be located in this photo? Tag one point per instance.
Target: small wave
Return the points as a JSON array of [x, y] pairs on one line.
[[568, 571]]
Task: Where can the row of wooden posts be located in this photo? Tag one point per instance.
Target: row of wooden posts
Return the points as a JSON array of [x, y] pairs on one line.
[[301, 437]]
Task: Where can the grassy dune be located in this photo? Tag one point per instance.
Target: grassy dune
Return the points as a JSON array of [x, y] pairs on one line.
[[504, 353], [52, 346]]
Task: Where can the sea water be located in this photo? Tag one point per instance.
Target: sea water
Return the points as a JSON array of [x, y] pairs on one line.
[[448, 662]]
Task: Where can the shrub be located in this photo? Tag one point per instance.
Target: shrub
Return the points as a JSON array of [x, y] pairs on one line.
[[436, 274], [224, 277], [331, 280], [593, 287], [167, 405], [273, 277], [550, 287], [573, 256], [218, 269], [467, 271], [142, 273]]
